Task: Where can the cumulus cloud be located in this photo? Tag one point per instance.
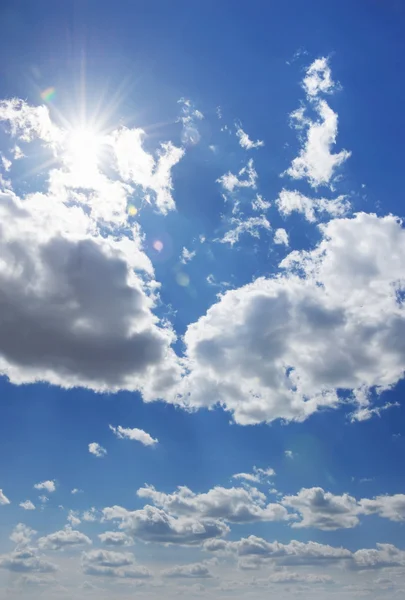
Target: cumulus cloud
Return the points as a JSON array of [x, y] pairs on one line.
[[246, 178], [186, 255], [115, 538], [284, 347], [26, 560], [73, 518], [65, 538], [246, 142], [97, 450], [312, 208], [151, 524], [318, 78], [389, 507], [138, 435], [27, 505], [285, 576], [234, 505], [190, 571], [106, 563], [251, 226], [22, 534], [49, 486], [259, 203], [316, 162], [3, 498], [259, 475], [323, 510], [281, 236]]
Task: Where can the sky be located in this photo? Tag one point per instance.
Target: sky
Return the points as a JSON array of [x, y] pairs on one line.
[[202, 321]]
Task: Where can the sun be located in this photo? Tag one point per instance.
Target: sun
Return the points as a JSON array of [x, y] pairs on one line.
[[82, 150]]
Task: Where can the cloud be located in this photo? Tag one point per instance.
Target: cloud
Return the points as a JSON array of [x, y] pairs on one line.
[[138, 435], [312, 208], [323, 510], [73, 518], [3, 498], [259, 203], [189, 118], [289, 454], [234, 505], [76, 491], [97, 450], [22, 534], [246, 142], [389, 507], [292, 577], [257, 476], [186, 256], [27, 505], [318, 78], [316, 162], [284, 347], [246, 178], [65, 538], [191, 571], [251, 226], [281, 237], [26, 560], [385, 556], [48, 485], [90, 515], [106, 563], [151, 524], [115, 538]]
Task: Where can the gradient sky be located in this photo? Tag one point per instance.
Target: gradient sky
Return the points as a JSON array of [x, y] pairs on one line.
[[202, 293]]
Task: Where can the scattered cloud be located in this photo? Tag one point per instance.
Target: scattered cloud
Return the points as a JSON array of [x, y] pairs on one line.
[[26, 560], [76, 491], [190, 571], [246, 142], [115, 538], [65, 538], [49, 486], [27, 505], [251, 226], [281, 236], [260, 204], [138, 435], [189, 118], [186, 255], [22, 535], [3, 498], [259, 475], [312, 208], [97, 450], [289, 454], [246, 178], [318, 78], [106, 563]]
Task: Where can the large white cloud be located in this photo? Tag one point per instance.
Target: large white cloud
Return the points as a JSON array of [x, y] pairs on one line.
[[65, 538], [390, 507], [286, 346], [26, 560], [312, 208], [235, 505], [151, 524]]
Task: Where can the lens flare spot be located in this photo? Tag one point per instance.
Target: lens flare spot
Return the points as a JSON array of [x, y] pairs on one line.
[[182, 279], [132, 211], [48, 94], [158, 245]]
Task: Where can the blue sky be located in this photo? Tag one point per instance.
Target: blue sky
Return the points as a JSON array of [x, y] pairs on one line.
[[201, 289]]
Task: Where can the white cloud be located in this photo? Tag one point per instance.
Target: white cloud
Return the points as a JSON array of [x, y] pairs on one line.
[[284, 347], [115, 538], [6, 163], [106, 563], [246, 142], [48, 485], [151, 524], [389, 507], [29, 122], [285, 576], [315, 161], [186, 255], [73, 518], [312, 208], [189, 118], [385, 556], [289, 453], [44, 499], [90, 515], [22, 534], [65, 538], [323, 510], [190, 571], [318, 78], [258, 475], [3, 498], [251, 226], [246, 178], [234, 505], [26, 560], [76, 491], [27, 505], [97, 450], [259, 203], [281, 236], [135, 434]]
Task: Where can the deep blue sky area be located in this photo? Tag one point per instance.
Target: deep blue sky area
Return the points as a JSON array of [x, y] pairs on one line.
[[133, 64]]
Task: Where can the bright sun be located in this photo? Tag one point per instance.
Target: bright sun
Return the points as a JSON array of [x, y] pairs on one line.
[[82, 153]]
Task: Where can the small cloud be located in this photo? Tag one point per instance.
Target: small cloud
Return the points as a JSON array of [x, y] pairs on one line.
[[90, 515], [44, 499], [289, 453], [73, 518], [189, 117], [259, 203], [246, 142], [76, 491], [251, 226], [281, 237], [97, 450], [3, 498], [48, 485], [27, 505], [186, 255], [6, 163], [135, 434]]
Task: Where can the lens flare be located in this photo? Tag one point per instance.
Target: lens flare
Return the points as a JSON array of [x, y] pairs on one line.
[[132, 211], [48, 94], [158, 245]]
